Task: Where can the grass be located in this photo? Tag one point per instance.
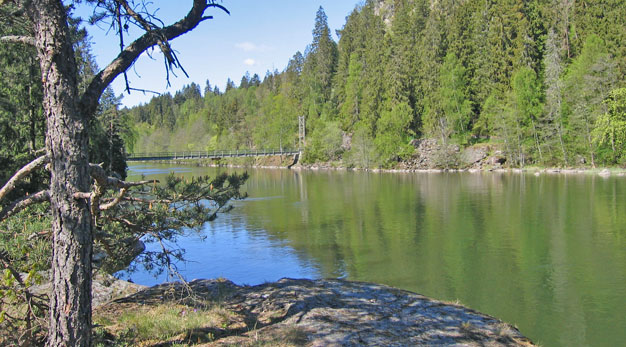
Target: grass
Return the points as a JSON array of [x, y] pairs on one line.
[[179, 323], [173, 324]]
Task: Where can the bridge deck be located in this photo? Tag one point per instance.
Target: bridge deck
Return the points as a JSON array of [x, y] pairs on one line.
[[148, 156]]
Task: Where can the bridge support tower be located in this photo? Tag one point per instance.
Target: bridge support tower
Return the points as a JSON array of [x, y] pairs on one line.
[[301, 133]]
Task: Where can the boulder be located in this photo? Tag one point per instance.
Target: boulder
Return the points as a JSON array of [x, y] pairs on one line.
[[104, 287]]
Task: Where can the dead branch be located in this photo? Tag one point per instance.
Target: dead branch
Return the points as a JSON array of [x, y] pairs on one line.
[[150, 28], [39, 234], [24, 202], [144, 91], [28, 296], [82, 195], [27, 40], [39, 151], [89, 100], [96, 171], [147, 201], [171, 267], [130, 225], [99, 175], [115, 201], [30, 167]]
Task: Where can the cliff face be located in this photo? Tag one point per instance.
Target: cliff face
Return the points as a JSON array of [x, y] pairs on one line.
[[384, 9], [326, 313]]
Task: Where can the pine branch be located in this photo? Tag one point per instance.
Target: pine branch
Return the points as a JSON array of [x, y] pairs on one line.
[[24, 202], [30, 167]]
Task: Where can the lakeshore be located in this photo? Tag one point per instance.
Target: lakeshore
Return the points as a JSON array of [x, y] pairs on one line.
[[283, 163], [296, 312], [534, 251]]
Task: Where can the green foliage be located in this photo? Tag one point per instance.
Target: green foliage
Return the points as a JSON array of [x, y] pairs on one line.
[[25, 238], [351, 108], [324, 144], [530, 75], [610, 127], [362, 153], [456, 105], [22, 123], [450, 110], [527, 108], [319, 66], [588, 81], [107, 133], [552, 126], [24, 249], [392, 140], [162, 213]]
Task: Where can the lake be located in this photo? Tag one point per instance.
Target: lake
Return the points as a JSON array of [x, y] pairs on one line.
[[546, 253]]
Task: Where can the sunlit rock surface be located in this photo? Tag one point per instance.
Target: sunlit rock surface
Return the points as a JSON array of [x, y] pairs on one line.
[[339, 313]]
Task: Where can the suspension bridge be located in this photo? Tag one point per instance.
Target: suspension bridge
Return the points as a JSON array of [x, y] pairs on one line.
[[180, 155], [152, 156]]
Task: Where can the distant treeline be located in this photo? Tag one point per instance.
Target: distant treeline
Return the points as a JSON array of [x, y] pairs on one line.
[[544, 79]]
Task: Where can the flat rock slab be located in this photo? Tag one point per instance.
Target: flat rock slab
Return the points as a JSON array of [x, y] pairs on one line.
[[344, 313]]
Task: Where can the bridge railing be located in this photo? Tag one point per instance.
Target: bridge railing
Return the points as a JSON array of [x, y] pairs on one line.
[[209, 154]]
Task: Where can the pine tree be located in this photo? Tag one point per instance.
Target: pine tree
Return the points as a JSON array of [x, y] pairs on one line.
[[320, 64], [526, 99], [553, 125], [456, 106], [207, 88], [431, 50], [351, 107], [375, 58]]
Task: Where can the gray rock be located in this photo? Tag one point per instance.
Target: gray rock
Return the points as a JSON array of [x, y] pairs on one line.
[[343, 313], [104, 287], [474, 155], [346, 141]]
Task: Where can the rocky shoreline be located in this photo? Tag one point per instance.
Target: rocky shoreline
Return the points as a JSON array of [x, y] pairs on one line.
[[330, 312], [429, 157], [603, 172]]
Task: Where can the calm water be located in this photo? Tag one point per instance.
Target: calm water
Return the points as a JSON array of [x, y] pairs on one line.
[[546, 253]]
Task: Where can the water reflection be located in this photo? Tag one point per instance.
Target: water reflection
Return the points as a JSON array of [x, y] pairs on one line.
[[547, 253]]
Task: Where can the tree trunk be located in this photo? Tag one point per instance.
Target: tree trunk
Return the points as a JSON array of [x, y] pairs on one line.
[[537, 140], [67, 144]]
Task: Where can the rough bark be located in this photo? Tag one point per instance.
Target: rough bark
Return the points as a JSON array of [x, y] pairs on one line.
[[67, 144]]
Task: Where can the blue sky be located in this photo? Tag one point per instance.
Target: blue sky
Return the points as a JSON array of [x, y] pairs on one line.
[[256, 37]]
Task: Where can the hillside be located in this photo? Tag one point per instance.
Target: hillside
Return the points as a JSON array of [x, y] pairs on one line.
[[541, 80]]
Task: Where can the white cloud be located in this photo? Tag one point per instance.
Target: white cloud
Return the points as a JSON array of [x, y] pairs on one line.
[[249, 62], [247, 46], [251, 47]]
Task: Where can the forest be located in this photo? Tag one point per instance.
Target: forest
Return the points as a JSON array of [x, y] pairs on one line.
[[543, 80]]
